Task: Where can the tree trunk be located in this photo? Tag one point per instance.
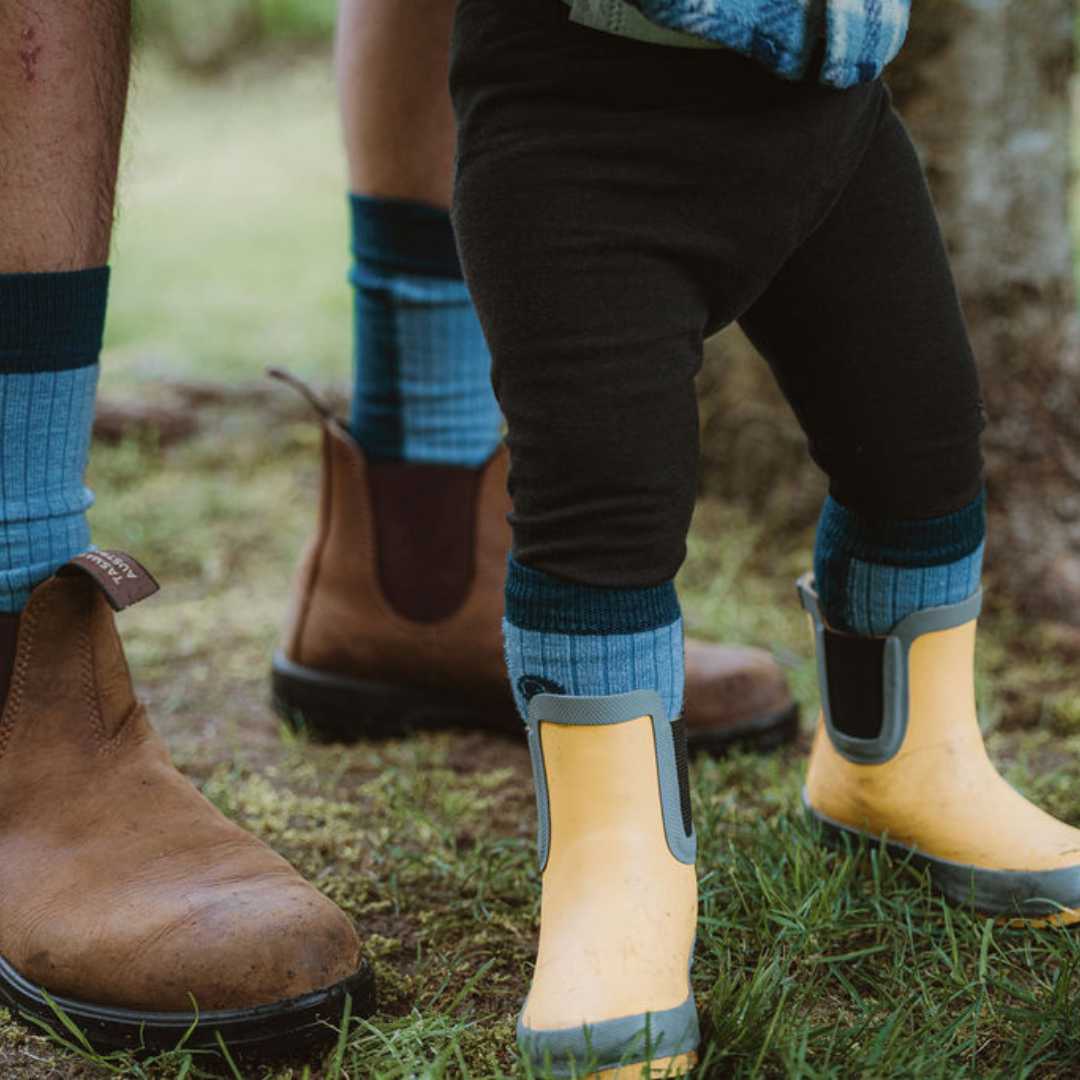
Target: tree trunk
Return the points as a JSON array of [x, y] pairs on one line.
[[985, 87]]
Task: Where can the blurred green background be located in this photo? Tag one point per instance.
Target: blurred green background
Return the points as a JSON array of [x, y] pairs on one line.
[[207, 34], [231, 246]]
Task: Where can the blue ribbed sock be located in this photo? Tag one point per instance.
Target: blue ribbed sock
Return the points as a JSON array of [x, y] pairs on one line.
[[563, 638], [423, 373], [871, 574], [50, 336]]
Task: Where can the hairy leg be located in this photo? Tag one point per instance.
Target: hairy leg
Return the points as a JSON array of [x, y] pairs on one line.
[[63, 89], [392, 58]]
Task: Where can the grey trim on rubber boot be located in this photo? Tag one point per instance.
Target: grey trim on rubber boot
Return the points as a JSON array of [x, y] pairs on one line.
[[611, 709], [629, 1040], [1026, 894], [898, 644]]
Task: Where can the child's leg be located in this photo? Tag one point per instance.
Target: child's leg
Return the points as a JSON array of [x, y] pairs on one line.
[[864, 331], [595, 343], [602, 468], [602, 185]]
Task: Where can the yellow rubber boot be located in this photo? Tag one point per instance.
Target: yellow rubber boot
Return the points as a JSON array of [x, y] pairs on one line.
[[898, 754], [611, 992]]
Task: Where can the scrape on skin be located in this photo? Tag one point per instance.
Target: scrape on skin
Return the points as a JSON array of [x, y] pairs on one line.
[[29, 54]]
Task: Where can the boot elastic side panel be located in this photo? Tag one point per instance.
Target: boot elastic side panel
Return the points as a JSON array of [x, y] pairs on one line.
[[894, 675]]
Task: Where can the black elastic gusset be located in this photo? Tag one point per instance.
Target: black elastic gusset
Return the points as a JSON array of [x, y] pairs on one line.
[[855, 676], [531, 685], [678, 732], [9, 635]]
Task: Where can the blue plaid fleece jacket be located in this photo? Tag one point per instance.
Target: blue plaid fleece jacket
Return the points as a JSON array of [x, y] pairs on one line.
[[861, 36]]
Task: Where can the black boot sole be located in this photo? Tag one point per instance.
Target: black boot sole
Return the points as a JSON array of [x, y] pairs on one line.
[[335, 708], [262, 1032]]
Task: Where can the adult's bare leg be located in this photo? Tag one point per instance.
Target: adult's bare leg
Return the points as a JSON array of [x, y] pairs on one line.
[[392, 62], [122, 886]]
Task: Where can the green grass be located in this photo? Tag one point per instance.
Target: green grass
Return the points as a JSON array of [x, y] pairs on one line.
[[810, 963], [209, 35], [298, 19], [427, 842]]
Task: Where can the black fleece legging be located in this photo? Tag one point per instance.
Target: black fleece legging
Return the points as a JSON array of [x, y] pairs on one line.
[[615, 203]]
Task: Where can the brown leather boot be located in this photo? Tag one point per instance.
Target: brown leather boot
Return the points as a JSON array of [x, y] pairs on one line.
[[396, 615], [126, 896]]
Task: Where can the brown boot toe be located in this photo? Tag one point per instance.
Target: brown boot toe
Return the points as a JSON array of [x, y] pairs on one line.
[[226, 945], [127, 896], [257, 943]]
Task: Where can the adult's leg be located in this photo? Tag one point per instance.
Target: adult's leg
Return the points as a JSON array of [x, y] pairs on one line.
[[62, 94], [865, 332], [422, 392], [415, 479], [122, 886], [392, 58], [63, 89], [426, 421]]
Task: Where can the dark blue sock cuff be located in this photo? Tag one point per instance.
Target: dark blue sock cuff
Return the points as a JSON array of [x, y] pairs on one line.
[[401, 236], [537, 601], [929, 542], [52, 321]]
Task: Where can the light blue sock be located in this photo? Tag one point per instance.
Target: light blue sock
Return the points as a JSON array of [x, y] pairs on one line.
[[50, 336], [563, 638], [423, 373], [870, 574]]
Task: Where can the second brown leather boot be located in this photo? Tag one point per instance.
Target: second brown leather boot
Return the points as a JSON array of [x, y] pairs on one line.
[[396, 616], [125, 897]]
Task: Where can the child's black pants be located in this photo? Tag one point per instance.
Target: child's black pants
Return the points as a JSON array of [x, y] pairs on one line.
[[615, 203]]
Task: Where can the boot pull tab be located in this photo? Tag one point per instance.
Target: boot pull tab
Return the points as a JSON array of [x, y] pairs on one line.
[[303, 389], [122, 579]]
